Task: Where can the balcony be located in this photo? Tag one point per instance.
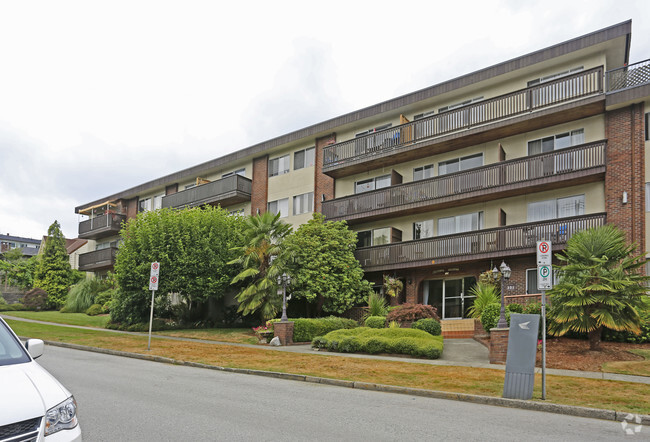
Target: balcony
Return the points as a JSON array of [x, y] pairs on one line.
[[572, 97], [545, 171], [226, 191], [97, 260], [636, 74], [101, 226], [498, 242]]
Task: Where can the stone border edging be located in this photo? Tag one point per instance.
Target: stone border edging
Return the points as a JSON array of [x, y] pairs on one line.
[[569, 410]]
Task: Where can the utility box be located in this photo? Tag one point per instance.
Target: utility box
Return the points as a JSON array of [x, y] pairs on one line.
[[520, 361]]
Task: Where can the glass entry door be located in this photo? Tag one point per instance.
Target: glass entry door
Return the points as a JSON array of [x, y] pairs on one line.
[[450, 296]]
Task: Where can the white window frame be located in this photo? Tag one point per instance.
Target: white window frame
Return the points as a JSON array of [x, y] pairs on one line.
[[426, 169], [281, 206], [145, 205], [461, 104], [303, 202], [556, 207], [373, 130], [423, 115], [555, 76], [240, 172], [308, 158], [460, 160], [479, 222], [280, 160], [573, 134], [429, 230], [374, 183]]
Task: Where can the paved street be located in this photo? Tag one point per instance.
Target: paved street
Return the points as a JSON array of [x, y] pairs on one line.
[[123, 399]]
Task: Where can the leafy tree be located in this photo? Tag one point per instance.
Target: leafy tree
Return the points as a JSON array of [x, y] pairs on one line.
[[485, 294], [600, 286], [263, 238], [324, 272], [193, 247], [54, 274]]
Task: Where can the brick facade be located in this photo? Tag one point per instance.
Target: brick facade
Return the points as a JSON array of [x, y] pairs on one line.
[[499, 345], [260, 186], [323, 184], [624, 129], [284, 331]]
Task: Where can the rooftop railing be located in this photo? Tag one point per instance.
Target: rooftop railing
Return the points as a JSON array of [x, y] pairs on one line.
[[434, 190], [571, 87], [633, 75], [479, 244]]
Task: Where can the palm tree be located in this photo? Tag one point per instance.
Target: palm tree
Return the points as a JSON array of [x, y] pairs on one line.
[[485, 294], [600, 286], [263, 236]]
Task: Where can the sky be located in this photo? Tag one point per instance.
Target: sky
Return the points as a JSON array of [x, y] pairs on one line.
[[97, 97]]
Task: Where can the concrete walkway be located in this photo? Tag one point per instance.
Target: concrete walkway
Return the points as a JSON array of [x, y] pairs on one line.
[[457, 352]]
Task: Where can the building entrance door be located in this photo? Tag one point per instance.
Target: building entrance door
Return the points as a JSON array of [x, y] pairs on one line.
[[450, 296]]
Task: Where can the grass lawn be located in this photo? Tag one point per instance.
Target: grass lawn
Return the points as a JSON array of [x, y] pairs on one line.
[[236, 335], [597, 393], [639, 368], [63, 318]]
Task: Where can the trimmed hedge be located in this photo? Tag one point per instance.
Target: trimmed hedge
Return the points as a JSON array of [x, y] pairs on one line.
[[94, 310], [406, 341], [429, 325], [376, 321], [491, 314], [306, 329]]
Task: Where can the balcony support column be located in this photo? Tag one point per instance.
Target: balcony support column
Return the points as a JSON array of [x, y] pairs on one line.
[[323, 184]]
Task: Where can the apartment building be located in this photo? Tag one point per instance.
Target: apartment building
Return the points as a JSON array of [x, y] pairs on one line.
[[28, 246], [446, 182]]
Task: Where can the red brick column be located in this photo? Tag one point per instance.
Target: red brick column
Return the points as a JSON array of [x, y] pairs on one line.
[[499, 345], [624, 129], [260, 185], [284, 331], [323, 184]]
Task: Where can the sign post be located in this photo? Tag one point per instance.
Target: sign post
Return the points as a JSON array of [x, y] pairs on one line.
[[544, 282], [153, 286]]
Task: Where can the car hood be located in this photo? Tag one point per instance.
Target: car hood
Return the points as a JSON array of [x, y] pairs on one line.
[[28, 391]]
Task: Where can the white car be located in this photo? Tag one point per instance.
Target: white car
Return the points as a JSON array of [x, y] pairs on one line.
[[34, 406]]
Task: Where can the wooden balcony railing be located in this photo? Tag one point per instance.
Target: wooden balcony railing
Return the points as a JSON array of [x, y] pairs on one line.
[[480, 244], [547, 94], [99, 259], [633, 75], [101, 226], [433, 190], [229, 190]]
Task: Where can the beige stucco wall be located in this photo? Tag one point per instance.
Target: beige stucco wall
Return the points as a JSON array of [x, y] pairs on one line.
[[514, 147], [515, 208]]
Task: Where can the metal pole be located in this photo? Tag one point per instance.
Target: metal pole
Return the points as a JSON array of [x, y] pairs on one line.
[[543, 344], [502, 318], [150, 320]]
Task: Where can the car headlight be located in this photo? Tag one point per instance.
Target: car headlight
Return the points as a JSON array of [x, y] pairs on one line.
[[61, 417]]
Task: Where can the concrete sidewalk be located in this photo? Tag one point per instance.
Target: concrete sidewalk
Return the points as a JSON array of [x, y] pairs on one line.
[[457, 352]]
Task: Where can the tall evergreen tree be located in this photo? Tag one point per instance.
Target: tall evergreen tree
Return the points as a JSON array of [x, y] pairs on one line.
[[53, 273]]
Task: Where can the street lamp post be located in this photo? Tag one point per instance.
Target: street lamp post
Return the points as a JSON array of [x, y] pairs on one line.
[[285, 281], [505, 276]]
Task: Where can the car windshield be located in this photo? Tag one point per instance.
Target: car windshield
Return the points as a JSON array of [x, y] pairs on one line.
[[11, 350]]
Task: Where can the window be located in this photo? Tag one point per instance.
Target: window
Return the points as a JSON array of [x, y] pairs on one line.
[[364, 239], [420, 173], [157, 202], [554, 76], [303, 203], [189, 186], [461, 104], [372, 183], [279, 166], [374, 129], [144, 205], [423, 115], [460, 223], [458, 164], [304, 158], [555, 142], [556, 208], [236, 212], [240, 172], [106, 245], [423, 229], [374, 237], [279, 206]]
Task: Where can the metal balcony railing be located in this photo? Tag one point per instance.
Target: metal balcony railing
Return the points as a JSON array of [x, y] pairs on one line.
[[100, 226], [479, 244], [97, 259], [633, 75], [571, 87], [433, 190], [234, 187]]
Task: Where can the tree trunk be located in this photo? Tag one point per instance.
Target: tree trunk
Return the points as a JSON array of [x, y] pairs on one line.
[[319, 305], [594, 339]]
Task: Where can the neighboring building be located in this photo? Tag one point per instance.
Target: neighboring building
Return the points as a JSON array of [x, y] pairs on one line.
[[28, 246], [446, 182]]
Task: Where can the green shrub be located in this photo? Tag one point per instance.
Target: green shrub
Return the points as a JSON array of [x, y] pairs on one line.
[[375, 321], [429, 325], [620, 336], [377, 305], [533, 308], [490, 316], [485, 293], [12, 307], [515, 308], [306, 329], [94, 310], [411, 313], [407, 341], [157, 325], [85, 293]]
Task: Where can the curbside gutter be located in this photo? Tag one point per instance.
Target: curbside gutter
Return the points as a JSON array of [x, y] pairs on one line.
[[546, 407]]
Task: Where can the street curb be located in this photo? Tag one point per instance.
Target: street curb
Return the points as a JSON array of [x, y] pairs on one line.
[[546, 407]]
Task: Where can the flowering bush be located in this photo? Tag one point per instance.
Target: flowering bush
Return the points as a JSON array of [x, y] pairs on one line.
[[264, 332]]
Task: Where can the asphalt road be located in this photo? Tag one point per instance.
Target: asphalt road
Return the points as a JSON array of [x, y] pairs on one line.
[[124, 399]]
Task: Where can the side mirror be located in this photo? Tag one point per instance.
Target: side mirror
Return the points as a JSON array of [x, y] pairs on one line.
[[35, 347]]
